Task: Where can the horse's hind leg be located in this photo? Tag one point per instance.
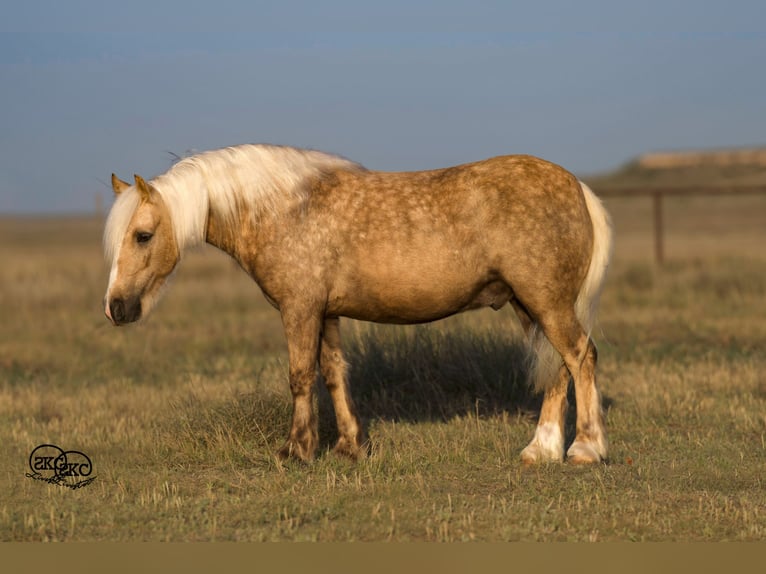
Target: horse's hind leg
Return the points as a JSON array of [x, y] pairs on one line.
[[548, 442], [351, 439], [590, 444], [579, 354]]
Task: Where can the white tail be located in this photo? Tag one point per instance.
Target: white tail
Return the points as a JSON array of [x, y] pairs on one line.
[[546, 361]]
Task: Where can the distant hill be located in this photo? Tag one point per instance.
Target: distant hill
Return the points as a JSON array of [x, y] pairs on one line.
[[722, 167]]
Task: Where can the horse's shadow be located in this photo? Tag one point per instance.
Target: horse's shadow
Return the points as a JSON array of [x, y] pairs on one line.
[[422, 373]]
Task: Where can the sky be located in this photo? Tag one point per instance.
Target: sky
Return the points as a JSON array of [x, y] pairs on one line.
[[91, 88]]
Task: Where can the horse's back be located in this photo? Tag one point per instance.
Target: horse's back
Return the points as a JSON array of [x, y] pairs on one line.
[[508, 204], [515, 190]]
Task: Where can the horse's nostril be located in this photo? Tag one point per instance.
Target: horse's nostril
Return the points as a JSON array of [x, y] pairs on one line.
[[125, 310], [117, 309]]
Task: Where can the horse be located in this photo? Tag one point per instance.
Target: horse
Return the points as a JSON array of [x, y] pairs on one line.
[[324, 238]]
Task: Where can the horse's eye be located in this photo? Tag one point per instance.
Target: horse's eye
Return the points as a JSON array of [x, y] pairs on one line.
[[143, 236]]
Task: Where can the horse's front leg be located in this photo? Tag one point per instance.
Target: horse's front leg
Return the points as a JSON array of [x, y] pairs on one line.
[[351, 438], [302, 330]]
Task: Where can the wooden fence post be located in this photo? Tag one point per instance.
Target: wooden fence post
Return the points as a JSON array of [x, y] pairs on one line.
[[678, 191]]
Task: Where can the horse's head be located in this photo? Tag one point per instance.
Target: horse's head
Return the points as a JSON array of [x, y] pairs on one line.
[[140, 246]]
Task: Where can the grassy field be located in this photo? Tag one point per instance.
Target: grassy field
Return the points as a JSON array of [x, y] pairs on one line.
[[181, 415]]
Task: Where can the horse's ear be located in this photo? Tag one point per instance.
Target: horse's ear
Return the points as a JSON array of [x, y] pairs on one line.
[[143, 188], [118, 185]]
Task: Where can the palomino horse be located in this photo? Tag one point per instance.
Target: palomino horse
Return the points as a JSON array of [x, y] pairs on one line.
[[325, 238]]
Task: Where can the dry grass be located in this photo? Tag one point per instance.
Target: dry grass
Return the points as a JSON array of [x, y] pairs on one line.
[[181, 415]]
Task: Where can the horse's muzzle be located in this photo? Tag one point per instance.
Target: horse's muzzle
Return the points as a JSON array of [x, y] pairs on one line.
[[122, 311]]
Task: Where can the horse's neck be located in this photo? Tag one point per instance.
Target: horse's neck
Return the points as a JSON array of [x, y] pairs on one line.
[[221, 234], [201, 209], [238, 235]]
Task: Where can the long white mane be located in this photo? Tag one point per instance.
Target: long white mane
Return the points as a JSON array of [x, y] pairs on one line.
[[265, 178]]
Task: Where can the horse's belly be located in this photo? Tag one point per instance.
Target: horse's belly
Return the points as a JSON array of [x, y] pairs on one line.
[[418, 298]]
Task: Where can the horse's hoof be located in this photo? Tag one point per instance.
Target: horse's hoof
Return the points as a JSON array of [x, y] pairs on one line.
[[293, 451], [351, 450], [535, 454], [583, 453]]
